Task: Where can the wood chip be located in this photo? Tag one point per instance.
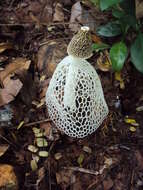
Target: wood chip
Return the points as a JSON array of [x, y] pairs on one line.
[[32, 148], [33, 165], [58, 156], [43, 153], [41, 142]]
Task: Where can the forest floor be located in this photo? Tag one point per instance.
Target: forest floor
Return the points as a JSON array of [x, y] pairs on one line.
[[33, 39]]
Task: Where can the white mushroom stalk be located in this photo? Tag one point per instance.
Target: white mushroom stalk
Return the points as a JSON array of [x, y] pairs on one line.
[[75, 97]]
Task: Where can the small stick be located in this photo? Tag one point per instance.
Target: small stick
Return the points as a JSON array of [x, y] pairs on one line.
[[5, 139], [36, 122], [83, 170], [44, 23]]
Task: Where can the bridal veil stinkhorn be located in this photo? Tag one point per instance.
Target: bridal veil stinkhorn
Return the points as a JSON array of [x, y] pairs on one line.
[[75, 98]]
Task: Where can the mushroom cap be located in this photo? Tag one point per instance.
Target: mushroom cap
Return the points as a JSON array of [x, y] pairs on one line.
[[81, 44]]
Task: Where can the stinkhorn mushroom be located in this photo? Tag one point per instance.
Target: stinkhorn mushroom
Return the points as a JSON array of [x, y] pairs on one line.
[[75, 98]]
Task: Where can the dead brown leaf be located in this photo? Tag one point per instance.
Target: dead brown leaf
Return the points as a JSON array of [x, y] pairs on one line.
[[3, 149], [3, 58], [10, 90], [7, 177], [49, 56], [139, 9], [59, 14], [64, 178], [76, 13], [118, 182], [96, 38], [29, 88], [108, 183], [4, 46], [17, 64], [103, 61], [88, 20], [44, 86], [47, 130], [139, 159], [118, 77]]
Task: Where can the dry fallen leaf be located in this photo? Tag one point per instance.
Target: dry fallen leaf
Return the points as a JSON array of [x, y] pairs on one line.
[[140, 108], [20, 125], [108, 183], [96, 39], [7, 177], [58, 15], [119, 78], [4, 46], [47, 130], [17, 65], [43, 153], [49, 56], [139, 158], [139, 9], [132, 129], [3, 58], [80, 159], [33, 165], [87, 149], [10, 90], [64, 177], [41, 142], [76, 13], [32, 148], [58, 156], [103, 61], [130, 121], [3, 149], [88, 20]]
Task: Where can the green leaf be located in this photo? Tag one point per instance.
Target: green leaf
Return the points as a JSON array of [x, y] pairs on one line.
[[105, 4], [100, 46], [118, 13], [118, 55], [111, 29], [137, 53]]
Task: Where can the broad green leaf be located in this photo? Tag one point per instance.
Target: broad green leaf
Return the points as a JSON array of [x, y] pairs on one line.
[[105, 4], [118, 13], [99, 46], [118, 55], [137, 53], [111, 29]]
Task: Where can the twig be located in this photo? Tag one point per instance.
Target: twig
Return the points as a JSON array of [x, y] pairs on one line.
[[11, 4], [44, 23], [36, 122], [83, 170], [5, 139], [46, 42]]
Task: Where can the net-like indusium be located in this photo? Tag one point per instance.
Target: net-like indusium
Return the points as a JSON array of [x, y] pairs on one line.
[[75, 98]]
